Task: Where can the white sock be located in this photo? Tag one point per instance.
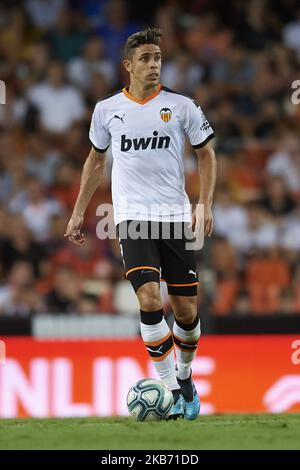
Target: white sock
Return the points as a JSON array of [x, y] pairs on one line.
[[158, 340], [186, 339]]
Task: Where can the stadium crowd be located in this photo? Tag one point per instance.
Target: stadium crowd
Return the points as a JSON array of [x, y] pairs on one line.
[[58, 57]]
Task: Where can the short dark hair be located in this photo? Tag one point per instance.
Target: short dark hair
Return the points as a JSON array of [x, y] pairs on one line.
[[147, 36]]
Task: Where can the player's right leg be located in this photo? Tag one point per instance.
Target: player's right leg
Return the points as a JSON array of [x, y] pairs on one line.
[[142, 265]]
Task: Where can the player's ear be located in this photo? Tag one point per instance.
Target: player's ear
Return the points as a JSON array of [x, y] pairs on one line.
[[127, 64]]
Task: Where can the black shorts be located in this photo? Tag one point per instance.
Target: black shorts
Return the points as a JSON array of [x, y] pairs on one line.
[[159, 257]]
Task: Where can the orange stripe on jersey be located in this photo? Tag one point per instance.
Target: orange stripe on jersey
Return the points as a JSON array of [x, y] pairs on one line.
[[157, 343], [137, 100], [141, 267]]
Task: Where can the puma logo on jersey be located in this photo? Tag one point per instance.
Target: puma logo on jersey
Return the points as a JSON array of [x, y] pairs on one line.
[[193, 272], [118, 117], [144, 143]]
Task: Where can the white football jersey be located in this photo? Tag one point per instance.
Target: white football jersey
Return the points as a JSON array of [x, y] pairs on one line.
[[148, 138]]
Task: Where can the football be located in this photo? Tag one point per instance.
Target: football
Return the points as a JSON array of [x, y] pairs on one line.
[[149, 400]]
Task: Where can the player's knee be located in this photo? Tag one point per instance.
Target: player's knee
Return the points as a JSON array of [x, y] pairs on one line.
[[186, 312], [187, 317], [149, 297]]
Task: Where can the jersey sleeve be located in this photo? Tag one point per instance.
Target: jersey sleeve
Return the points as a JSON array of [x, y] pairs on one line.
[[196, 126], [99, 134]]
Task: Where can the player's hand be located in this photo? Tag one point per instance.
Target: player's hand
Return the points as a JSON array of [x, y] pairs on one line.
[[73, 232], [202, 219], [208, 220]]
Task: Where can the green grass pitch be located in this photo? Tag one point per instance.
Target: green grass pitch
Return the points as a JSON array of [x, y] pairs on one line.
[[207, 432]]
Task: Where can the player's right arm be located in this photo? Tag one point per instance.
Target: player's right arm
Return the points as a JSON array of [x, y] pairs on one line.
[[93, 170], [91, 176]]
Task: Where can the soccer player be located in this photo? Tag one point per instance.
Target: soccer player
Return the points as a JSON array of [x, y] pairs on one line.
[[146, 125]]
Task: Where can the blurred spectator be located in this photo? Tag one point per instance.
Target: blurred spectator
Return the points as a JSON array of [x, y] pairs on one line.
[[59, 104], [82, 262], [76, 144], [205, 38], [266, 277], [37, 209], [12, 170], [87, 304], [286, 162], [44, 13], [258, 27], [81, 69], [14, 35], [41, 161], [116, 29], [291, 33], [18, 296], [290, 231], [16, 172], [277, 200], [5, 182], [234, 72], [56, 240], [4, 234], [287, 302], [228, 216], [65, 187], [39, 58], [225, 265], [92, 10], [296, 290], [100, 87], [65, 292], [259, 233], [242, 306], [19, 246], [266, 120], [228, 128], [68, 37], [182, 74]]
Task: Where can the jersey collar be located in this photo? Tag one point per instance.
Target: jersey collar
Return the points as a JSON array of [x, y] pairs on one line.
[[133, 98]]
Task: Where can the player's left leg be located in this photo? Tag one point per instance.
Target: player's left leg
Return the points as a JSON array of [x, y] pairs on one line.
[[186, 334], [158, 339], [179, 270]]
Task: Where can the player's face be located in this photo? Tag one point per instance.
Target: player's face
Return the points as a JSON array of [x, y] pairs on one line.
[[145, 64]]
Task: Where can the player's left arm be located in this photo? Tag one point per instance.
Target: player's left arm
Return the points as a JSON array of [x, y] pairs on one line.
[[200, 134], [202, 217]]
